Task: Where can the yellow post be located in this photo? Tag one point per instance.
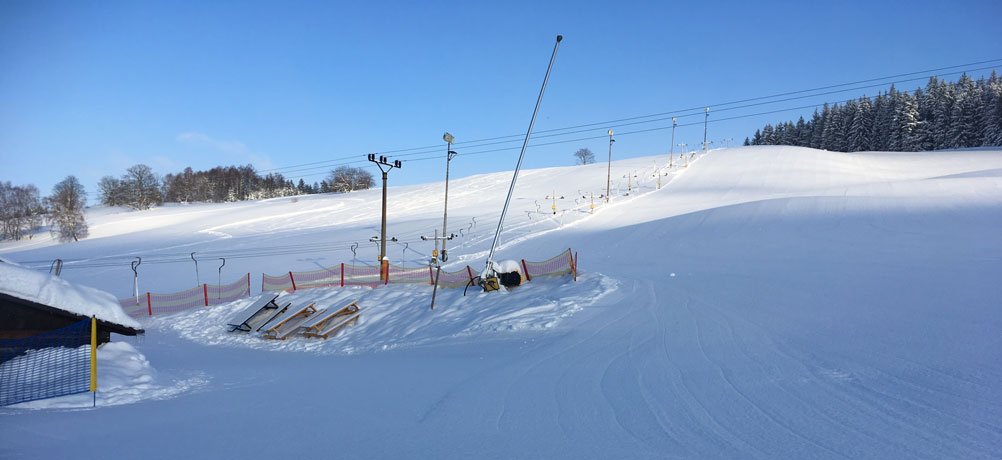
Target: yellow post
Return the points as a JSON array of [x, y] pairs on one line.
[[93, 357], [93, 353]]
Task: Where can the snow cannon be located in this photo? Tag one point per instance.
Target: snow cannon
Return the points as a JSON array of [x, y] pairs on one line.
[[505, 273]]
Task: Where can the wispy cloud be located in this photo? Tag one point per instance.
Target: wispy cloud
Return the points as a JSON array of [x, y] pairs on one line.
[[197, 138], [230, 147]]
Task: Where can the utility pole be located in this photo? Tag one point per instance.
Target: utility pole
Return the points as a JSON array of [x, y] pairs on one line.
[[608, 174], [671, 146], [706, 119], [384, 263]]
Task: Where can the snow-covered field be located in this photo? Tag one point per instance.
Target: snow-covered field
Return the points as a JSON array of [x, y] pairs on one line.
[[766, 302]]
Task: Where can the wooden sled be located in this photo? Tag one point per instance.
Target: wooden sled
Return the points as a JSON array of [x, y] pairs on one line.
[[332, 320], [282, 327]]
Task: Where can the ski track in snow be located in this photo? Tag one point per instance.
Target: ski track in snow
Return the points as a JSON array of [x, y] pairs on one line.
[[820, 305]]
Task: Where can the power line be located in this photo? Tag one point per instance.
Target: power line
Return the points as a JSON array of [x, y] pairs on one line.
[[435, 154], [721, 106]]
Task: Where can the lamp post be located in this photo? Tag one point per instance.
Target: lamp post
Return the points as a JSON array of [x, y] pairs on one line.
[[706, 119], [382, 162], [608, 173], [671, 147], [448, 138]]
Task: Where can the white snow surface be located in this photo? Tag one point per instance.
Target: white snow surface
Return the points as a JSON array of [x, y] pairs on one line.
[[765, 302], [125, 377], [56, 292]]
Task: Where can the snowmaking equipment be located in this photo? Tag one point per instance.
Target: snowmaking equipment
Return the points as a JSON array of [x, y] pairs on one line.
[[491, 278]]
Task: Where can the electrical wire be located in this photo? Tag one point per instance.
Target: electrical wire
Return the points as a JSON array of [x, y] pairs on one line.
[[717, 107]]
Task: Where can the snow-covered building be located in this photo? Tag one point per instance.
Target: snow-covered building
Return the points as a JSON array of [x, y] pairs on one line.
[[32, 303]]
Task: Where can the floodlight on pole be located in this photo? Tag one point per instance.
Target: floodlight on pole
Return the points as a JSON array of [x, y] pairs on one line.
[[706, 119], [449, 154], [671, 146], [608, 172]]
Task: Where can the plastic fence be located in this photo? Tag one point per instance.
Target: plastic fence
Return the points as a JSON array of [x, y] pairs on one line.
[[421, 275], [326, 277], [50, 364], [133, 308], [341, 275], [277, 283], [563, 264], [151, 304], [228, 292], [362, 276], [163, 304], [456, 279]]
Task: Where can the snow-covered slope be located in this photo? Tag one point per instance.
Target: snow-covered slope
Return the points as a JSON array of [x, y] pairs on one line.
[[766, 302]]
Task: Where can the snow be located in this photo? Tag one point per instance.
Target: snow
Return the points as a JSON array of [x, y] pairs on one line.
[[766, 302], [56, 292], [401, 318], [125, 377]]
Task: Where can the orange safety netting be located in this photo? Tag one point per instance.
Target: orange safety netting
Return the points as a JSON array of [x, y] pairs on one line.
[[162, 304], [562, 264], [203, 295], [228, 292]]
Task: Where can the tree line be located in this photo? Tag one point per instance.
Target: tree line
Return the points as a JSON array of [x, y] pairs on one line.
[[141, 188], [23, 212], [943, 115]]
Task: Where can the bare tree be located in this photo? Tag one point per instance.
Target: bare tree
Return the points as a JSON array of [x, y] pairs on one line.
[[584, 156], [143, 187], [111, 191], [66, 206], [21, 211], [345, 179]]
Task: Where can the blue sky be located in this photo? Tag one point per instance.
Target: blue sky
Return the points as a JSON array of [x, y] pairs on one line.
[[91, 88]]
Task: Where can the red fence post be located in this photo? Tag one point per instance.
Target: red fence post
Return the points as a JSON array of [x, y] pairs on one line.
[[293, 282], [149, 304], [575, 268], [342, 274], [528, 277], [205, 292]]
